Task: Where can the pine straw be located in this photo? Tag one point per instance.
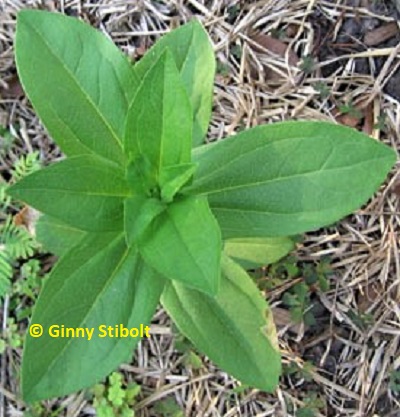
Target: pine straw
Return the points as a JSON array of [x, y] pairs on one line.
[[353, 361]]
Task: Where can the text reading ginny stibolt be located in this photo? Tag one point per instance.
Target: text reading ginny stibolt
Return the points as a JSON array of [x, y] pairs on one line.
[[102, 331]]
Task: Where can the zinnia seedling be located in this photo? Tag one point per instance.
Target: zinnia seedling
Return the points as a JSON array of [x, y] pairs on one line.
[[141, 211]]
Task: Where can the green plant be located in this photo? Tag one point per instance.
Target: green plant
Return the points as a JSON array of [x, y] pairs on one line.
[[6, 140], [394, 382], [168, 407], [323, 89], [362, 320], [301, 372], [313, 403], [149, 207], [298, 298], [15, 241], [184, 346], [307, 64], [351, 110], [299, 303], [382, 122], [113, 399]]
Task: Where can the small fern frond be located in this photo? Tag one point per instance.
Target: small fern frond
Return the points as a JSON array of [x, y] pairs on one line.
[[6, 272], [25, 165], [17, 240], [5, 200]]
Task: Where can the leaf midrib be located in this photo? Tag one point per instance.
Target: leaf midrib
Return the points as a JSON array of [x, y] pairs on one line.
[[282, 178], [66, 191], [263, 146], [188, 251]]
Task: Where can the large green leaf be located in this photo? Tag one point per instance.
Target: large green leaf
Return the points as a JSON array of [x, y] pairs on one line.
[[288, 178], [184, 243], [235, 329], [79, 82], [83, 191], [159, 126], [99, 282], [57, 237], [255, 252], [194, 56]]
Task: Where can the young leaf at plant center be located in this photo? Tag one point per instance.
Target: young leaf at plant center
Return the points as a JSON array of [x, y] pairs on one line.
[[139, 212], [142, 178], [183, 243], [99, 282], [84, 191], [288, 178], [194, 57], [234, 329], [56, 236], [253, 253], [88, 85], [158, 125], [173, 178]]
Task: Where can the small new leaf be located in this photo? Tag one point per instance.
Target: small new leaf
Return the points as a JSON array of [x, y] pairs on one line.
[[158, 125], [173, 178], [139, 212]]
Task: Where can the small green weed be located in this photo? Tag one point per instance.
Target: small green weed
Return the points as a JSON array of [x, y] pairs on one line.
[[222, 69], [294, 370], [323, 89], [15, 241], [233, 13], [6, 140], [362, 320], [307, 64], [394, 383], [184, 346], [351, 110], [313, 404], [11, 337], [236, 51], [113, 399], [381, 123], [298, 300], [315, 277], [168, 407]]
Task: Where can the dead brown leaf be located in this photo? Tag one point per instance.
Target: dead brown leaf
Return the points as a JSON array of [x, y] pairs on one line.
[[276, 46], [371, 293], [381, 34], [27, 217], [14, 88]]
